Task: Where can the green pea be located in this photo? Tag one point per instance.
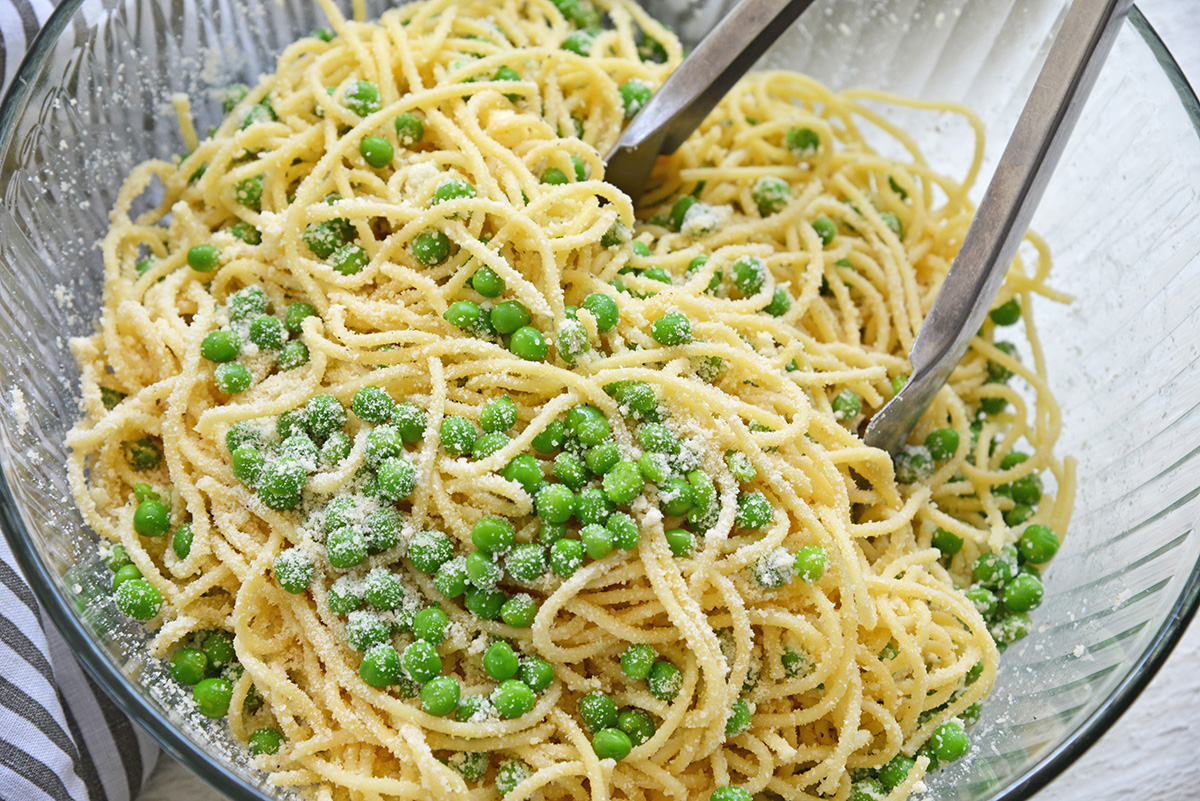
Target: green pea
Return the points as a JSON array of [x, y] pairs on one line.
[[946, 542], [372, 405], [566, 556], [509, 316], [892, 222], [246, 232], [588, 425], [665, 680], [826, 229], [232, 378], [265, 741], [365, 630], [421, 661], [484, 603], [526, 562], [380, 666], [487, 282], [1023, 593], [344, 596], [188, 666], [624, 531], [118, 557], [896, 771], [519, 611], [754, 510], [152, 518], [488, 444], [740, 466], [247, 462], [346, 548], [529, 344], [221, 346], [602, 458], [739, 718], [604, 309], [293, 570], [550, 438], [383, 530], [680, 541], [675, 496], [598, 711], [526, 471], [440, 695], [770, 195], [637, 660], [867, 789], [749, 274], [512, 699], [802, 141], [636, 723], [847, 405], [482, 571], [453, 189], [810, 563], [376, 151], [537, 673], [1038, 544], [657, 438], [673, 328], [623, 483], [913, 464], [451, 579], [992, 571], [704, 497], [555, 503], [500, 661], [948, 742], [203, 258], [349, 259], [942, 443], [142, 454], [635, 93], [249, 191], [212, 697], [780, 303], [458, 435], [597, 540], [498, 414], [296, 314], [493, 534], [554, 176], [997, 372], [593, 506], [1007, 313], [363, 98], [431, 247], [409, 129], [579, 43], [983, 599], [125, 573]]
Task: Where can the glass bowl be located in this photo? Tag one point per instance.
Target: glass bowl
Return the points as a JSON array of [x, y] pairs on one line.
[[91, 100]]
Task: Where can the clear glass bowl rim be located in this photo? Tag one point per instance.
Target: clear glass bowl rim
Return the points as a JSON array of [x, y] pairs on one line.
[[45, 584]]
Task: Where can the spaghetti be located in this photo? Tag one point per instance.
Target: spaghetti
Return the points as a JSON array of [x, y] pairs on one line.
[[435, 469]]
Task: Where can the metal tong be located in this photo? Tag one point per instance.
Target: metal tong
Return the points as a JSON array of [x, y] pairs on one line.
[[695, 88], [991, 243]]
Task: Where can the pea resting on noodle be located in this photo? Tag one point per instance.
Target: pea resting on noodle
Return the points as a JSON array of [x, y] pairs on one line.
[[433, 467]]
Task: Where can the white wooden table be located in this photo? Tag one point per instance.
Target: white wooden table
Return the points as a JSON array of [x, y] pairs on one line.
[[1153, 752]]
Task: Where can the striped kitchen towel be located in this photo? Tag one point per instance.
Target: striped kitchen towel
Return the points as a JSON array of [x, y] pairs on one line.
[[61, 738]]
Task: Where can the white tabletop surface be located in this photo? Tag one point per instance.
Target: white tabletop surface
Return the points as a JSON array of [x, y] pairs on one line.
[[1152, 752]]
